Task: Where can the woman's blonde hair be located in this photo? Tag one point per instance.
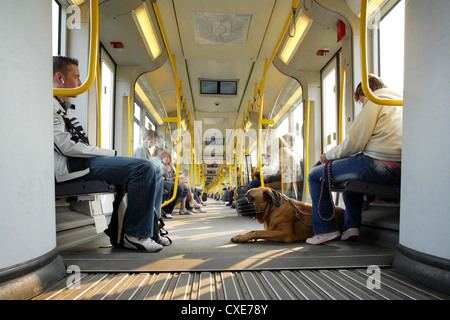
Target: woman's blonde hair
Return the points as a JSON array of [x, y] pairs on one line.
[[375, 83]]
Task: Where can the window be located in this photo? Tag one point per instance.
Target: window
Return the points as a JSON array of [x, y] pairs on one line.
[[329, 102], [107, 106], [392, 34], [137, 125], [149, 124], [56, 24]]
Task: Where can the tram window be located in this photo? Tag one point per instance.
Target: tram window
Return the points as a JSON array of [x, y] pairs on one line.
[[137, 125], [56, 28], [149, 124], [107, 95], [391, 38], [283, 128], [329, 107], [297, 117]]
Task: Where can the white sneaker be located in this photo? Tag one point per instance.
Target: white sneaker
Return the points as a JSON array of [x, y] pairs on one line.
[[193, 210], [184, 211], [141, 244], [164, 241], [166, 215]]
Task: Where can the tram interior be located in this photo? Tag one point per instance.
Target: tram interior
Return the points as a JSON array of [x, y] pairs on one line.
[[215, 41], [228, 46]]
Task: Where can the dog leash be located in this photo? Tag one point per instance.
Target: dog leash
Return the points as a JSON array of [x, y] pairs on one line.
[[327, 165], [298, 212]]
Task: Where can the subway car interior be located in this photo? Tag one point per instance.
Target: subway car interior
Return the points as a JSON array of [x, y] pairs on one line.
[[230, 90]]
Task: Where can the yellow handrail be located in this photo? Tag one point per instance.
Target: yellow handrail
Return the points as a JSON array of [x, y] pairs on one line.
[[307, 146], [263, 82], [363, 43], [130, 123], [99, 106], [179, 98], [92, 58], [341, 105]]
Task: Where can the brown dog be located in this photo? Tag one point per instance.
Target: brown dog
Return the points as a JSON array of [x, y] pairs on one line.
[[282, 222]]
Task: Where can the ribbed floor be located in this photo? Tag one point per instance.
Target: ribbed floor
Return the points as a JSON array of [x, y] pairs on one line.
[[202, 264], [343, 284]]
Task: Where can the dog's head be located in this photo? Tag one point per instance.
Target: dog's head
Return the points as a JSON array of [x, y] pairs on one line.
[[264, 195], [257, 201]]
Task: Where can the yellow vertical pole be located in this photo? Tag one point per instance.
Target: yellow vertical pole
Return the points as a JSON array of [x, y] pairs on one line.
[[99, 106], [130, 125], [341, 105], [308, 111]]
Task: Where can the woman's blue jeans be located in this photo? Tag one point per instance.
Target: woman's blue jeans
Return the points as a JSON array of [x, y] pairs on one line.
[[360, 167], [142, 181]]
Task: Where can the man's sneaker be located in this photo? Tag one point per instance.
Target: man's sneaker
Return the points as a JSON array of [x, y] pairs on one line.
[[201, 210], [165, 241], [141, 244], [166, 215], [184, 211], [323, 237], [193, 210], [350, 234]]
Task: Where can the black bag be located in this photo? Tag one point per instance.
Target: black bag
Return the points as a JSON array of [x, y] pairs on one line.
[[115, 230]]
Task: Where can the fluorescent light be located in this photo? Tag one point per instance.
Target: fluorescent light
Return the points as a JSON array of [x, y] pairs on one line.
[[372, 7], [147, 103], [302, 25], [77, 2], [144, 24]]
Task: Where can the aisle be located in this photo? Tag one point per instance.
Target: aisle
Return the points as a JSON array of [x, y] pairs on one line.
[[201, 242]]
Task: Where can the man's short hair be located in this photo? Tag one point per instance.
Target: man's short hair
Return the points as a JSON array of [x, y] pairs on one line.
[[62, 64]]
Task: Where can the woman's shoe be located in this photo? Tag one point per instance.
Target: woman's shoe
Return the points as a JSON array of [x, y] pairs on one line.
[[350, 234], [323, 237]]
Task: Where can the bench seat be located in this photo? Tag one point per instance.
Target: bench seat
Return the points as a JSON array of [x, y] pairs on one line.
[[79, 187], [369, 189]]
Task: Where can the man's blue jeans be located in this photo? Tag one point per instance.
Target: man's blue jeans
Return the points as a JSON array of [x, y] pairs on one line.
[[142, 181], [360, 167]]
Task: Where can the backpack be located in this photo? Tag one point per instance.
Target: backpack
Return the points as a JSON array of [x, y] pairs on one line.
[[115, 230]]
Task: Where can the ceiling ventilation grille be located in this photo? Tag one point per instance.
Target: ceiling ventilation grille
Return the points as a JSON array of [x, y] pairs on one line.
[[221, 28]]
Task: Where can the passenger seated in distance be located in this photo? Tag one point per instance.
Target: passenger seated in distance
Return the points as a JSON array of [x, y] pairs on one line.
[[150, 141]]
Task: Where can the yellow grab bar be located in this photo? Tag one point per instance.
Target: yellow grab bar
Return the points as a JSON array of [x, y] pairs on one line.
[[364, 74], [130, 124], [92, 58], [307, 146], [99, 107], [263, 82], [341, 105], [179, 99]]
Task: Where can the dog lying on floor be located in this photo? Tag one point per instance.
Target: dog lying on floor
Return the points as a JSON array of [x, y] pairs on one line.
[[284, 219]]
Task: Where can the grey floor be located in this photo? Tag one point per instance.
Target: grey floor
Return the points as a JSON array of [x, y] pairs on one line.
[[201, 242]]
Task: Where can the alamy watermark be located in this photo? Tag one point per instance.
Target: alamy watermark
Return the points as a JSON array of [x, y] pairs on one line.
[[74, 280], [73, 17], [374, 279]]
